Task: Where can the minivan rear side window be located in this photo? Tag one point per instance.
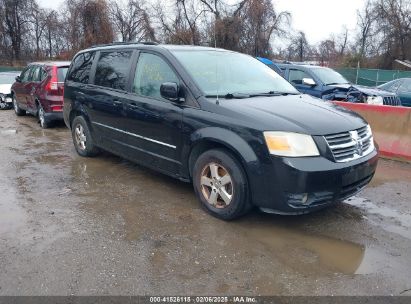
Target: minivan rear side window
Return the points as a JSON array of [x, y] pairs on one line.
[[113, 69], [80, 67]]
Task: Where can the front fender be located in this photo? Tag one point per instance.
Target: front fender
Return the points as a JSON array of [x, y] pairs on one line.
[[227, 138], [234, 143]]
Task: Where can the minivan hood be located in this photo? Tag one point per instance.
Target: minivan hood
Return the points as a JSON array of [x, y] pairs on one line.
[[296, 113]]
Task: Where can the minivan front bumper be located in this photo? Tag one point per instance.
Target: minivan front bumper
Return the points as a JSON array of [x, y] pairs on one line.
[[302, 185]]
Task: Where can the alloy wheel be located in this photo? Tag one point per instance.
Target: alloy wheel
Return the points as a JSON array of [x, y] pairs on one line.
[[80, 137], [216, 185], [16, 107], [41, 117]]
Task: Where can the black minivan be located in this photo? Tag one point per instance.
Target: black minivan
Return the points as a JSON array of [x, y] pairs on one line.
[[242, 134]]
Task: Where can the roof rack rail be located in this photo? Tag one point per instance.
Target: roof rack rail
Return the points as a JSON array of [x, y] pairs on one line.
[[124, 43]]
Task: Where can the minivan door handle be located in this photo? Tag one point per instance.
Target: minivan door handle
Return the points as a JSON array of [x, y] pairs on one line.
[[117, 103]]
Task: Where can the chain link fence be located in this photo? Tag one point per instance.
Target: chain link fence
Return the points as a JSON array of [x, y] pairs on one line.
[[372, 77], [366, 77], [10, 68]]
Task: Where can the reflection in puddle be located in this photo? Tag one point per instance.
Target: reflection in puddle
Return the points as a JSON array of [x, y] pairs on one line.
[[12, 216], [402, 220], [303, 250], [8, 132]]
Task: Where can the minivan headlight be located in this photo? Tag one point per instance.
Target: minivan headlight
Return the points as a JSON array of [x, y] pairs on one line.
[[290, 144]]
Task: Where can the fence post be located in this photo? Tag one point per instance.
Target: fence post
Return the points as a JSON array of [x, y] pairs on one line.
[[358, 67], [378, 77]]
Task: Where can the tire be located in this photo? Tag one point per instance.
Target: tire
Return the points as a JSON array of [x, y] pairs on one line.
[[83, 142], [221, 185], [44, 123], [17, 109]]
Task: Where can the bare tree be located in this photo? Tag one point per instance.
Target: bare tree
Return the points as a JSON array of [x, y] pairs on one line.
[[38, 22], [342, 41], [394, 24], [260, 23], [86, 23], [180, 24], [131, 21], [366, 22], [15, 18]]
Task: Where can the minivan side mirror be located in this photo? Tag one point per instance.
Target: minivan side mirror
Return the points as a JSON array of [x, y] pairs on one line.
[[18, 79], [309, 82], [170, 90]]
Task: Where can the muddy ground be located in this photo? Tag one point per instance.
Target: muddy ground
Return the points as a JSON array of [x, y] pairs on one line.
[[104, 226]]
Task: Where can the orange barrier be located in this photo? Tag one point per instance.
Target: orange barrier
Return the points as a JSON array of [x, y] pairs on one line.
[[391, 127]]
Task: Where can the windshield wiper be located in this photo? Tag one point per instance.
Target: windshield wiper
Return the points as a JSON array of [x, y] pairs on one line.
[[238, 95], [230, 96], [274, 93], [333, 83]]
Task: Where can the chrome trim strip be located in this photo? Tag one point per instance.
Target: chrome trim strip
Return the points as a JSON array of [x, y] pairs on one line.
[[147, 152], [136, 135]]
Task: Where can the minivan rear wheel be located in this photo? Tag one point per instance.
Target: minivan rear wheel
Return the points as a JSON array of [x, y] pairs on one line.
[[17, 109], [221, 184], [82, 139]]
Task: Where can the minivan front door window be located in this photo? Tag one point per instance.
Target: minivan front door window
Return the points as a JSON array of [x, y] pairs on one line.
[[151, 72]]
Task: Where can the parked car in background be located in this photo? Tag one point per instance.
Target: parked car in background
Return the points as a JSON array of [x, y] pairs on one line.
[[241, 133], [39, 91], [6, 81], [401, 87], [328, 84], [271, 65]]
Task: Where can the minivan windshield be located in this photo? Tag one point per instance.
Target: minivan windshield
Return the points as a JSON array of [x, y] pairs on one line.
[[329, 76], [220, 73]]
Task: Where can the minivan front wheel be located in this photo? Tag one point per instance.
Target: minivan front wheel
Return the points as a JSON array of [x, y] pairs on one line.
[[82, 139], [221, 185]]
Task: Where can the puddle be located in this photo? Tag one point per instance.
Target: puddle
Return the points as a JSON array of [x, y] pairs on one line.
[[8, 132], [402, 221], [12, 216], [307, 252]]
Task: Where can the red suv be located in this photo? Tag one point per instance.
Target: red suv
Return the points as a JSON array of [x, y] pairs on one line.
[[39, 91]]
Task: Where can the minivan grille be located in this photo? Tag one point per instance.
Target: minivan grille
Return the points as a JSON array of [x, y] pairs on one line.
[[392, 101], [347, 146]]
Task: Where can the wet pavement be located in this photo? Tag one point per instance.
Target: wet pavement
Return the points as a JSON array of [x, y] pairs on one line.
[[104, 226]]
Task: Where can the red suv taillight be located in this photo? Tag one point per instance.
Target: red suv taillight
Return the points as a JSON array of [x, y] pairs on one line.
[[52, 86]]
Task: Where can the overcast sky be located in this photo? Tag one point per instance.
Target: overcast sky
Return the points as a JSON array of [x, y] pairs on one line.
[[317, 18]]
